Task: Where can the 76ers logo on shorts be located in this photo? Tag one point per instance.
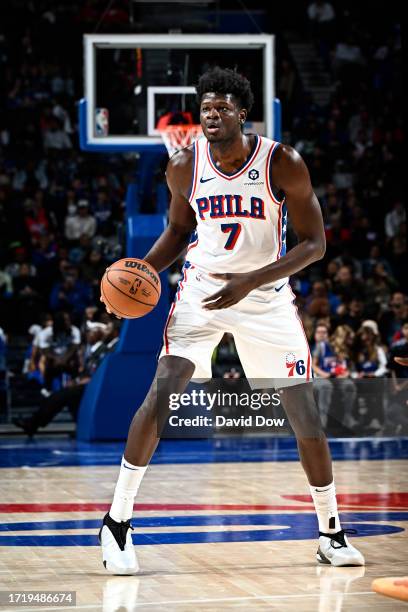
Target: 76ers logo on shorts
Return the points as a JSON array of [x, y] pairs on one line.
[[293, 364]]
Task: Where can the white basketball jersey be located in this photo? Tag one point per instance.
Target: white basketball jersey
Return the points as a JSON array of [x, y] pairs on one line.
[[241, 226]]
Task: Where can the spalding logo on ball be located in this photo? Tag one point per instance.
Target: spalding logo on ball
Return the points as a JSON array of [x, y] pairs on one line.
[[130, 288]]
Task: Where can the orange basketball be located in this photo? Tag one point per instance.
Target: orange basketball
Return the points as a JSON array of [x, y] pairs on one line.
[[130, 288]]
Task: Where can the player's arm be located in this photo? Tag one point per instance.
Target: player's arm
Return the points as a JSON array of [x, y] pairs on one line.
[[290, 175], [172, 242], [170, 245]]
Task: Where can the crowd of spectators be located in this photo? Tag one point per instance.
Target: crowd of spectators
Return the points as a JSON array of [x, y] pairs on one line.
[[356, 297], [61, 360], [62, 211], [354, 303]]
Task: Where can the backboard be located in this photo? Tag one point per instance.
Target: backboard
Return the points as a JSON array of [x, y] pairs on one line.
[[132, 81]]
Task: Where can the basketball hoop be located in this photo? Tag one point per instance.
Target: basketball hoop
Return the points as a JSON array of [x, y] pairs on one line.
[[176, 137]]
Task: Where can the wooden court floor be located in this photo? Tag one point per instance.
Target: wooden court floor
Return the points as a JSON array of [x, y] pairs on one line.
[[211, 535]]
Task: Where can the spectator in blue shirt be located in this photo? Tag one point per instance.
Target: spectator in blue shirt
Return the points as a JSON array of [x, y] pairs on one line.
[[331, 360], [71, 293], [371, 365]]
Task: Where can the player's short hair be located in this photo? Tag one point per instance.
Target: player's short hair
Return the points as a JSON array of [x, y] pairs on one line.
[[226, 81]]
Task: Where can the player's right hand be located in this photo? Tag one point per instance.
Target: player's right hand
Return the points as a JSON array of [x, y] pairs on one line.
[[107, 309]]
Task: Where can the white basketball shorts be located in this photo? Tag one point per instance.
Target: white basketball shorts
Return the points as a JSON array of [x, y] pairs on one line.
[[268, 333]]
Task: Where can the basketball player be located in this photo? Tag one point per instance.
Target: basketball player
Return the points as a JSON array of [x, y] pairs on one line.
[[233, 192]]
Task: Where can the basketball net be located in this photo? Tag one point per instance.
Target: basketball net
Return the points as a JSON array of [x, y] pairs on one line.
[[176, 137]]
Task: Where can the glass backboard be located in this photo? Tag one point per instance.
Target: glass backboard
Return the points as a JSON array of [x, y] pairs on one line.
[[132, 82]]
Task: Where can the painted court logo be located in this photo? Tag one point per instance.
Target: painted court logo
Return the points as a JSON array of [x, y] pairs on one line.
[[276, 524]]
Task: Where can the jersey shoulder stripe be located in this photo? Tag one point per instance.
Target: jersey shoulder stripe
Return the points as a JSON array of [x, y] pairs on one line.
[[195, 171], [271, 153]]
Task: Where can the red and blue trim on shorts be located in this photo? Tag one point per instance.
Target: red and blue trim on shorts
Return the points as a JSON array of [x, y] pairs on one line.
[[308, 373], [180, 288]]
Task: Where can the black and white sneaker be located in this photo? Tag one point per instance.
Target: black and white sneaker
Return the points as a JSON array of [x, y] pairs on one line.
[[335, 549], [118, 553]]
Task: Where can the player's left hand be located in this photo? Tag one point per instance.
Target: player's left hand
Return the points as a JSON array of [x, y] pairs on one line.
[[236, 288]]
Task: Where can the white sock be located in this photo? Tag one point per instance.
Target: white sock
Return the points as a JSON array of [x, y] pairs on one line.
[[130, 477], [326, 508]]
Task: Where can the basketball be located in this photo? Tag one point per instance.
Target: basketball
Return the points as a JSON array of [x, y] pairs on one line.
[[130, 288]]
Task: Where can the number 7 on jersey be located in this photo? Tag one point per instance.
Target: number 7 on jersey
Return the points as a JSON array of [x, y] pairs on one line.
[[234, 230]]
